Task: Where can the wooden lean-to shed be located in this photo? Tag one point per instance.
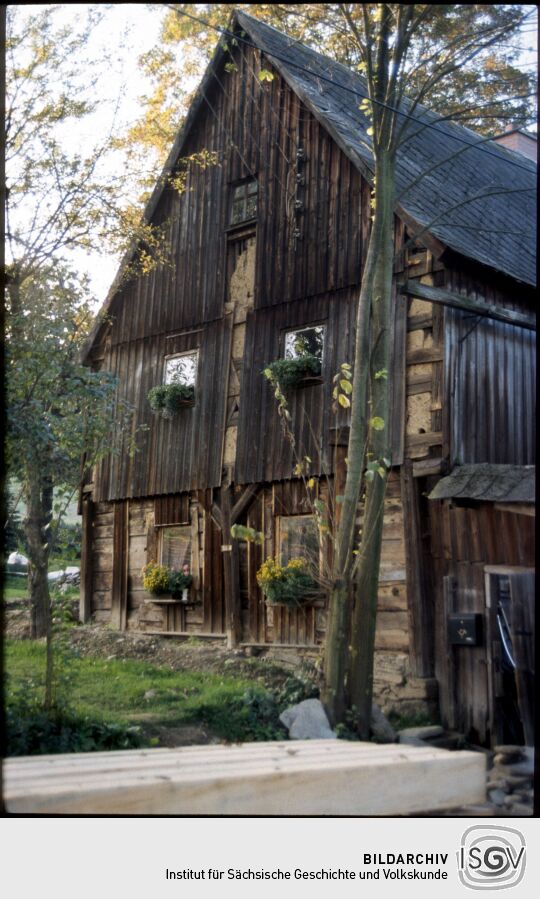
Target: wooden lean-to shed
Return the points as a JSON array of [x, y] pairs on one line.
[[267, 246]]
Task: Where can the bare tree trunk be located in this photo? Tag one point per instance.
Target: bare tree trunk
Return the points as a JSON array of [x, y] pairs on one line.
[[38, 508], [338, 625], [360, 681]]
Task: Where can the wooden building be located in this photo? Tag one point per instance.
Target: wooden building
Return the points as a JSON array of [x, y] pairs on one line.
[[269, 240]]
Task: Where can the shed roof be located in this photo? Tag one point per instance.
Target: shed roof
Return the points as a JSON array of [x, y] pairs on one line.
[[487, 482]]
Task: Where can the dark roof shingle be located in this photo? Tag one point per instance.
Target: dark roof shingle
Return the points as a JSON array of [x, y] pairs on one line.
[[487, 482], [479, 203]]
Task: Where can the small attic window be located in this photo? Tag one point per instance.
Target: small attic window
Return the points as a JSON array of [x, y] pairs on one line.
[[305, 342], [244, 202], [181, 369]]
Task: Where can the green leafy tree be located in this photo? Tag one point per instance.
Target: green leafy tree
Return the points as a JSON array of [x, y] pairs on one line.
[[58, 411], [58, 199]]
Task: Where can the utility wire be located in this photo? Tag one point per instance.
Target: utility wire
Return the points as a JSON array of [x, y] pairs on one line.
[[350, 90]]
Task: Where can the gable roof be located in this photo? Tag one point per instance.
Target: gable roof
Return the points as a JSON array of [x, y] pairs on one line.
[[493, 215], [497, 229]]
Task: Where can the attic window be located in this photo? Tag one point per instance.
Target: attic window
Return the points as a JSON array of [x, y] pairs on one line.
[[305, 342], [181, 369], [244, 202]]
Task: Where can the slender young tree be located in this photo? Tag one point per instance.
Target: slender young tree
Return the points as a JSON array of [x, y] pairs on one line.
[[58, 411], [405, 56]]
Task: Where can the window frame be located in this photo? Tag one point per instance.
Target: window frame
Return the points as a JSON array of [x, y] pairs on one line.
[[278, 530], [161, 535], [296, 330], [244, 183], [194, 352]]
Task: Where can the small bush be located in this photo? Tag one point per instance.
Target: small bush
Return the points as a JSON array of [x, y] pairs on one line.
[[251, 717], [290, 372], [30, 730], [167, 399]]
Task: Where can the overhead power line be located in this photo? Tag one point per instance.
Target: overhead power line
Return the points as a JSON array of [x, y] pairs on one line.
[[363, 96]]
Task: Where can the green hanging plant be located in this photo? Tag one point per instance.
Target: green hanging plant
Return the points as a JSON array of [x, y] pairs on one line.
[[167, 399], [291, 372]]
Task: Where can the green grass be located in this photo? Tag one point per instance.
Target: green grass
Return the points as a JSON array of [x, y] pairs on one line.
[[114, 691], [15, 587]]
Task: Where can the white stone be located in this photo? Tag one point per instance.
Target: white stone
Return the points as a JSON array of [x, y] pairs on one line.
[[55, 575], [16, 558], [307, 721]]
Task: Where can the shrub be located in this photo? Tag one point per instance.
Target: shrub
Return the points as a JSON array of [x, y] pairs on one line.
[[251, 717], [290, 585], [30, 730], [290, 372], [167, 399]]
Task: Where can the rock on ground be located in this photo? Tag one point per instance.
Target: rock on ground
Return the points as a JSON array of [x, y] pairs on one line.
[[307, 721]]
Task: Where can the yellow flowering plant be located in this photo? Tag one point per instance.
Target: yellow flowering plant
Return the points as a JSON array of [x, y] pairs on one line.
[[155, 578], [288, 585]]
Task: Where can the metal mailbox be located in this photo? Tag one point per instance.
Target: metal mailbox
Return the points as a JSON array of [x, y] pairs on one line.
[[465, 628]]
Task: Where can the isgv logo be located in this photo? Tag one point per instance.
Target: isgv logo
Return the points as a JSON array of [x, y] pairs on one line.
[[491, 858]]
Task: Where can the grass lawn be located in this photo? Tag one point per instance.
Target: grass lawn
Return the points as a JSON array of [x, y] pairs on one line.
[[15, 587], [114, 691]]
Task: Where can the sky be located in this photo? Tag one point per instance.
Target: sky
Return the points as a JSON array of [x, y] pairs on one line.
[[125, 32]]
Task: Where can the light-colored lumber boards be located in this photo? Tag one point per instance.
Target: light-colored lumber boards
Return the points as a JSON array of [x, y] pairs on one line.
[[304, 777]]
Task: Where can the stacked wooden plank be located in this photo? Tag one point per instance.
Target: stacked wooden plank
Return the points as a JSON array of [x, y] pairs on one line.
[[305, 777]]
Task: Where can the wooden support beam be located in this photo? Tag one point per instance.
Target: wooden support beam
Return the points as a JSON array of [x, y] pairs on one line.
[[306, 777], [231, 572], [420, 609], [458, 301], [85, 604], [120, 565], [242, 504]]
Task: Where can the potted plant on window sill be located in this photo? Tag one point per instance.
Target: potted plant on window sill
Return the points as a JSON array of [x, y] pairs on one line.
[[167, 399], [290, 373], [167, 583], [288, 585]]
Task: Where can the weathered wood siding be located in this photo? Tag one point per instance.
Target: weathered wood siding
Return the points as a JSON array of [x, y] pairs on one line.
[[463, 541], [255, 130], [174, 455], [264, 624], [490, 371], [263, 453]]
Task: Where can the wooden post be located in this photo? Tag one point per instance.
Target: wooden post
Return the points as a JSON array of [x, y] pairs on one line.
[[120, 563], [522, 633], [85, 603], [231, 585], [449, 687], [420, 615]]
